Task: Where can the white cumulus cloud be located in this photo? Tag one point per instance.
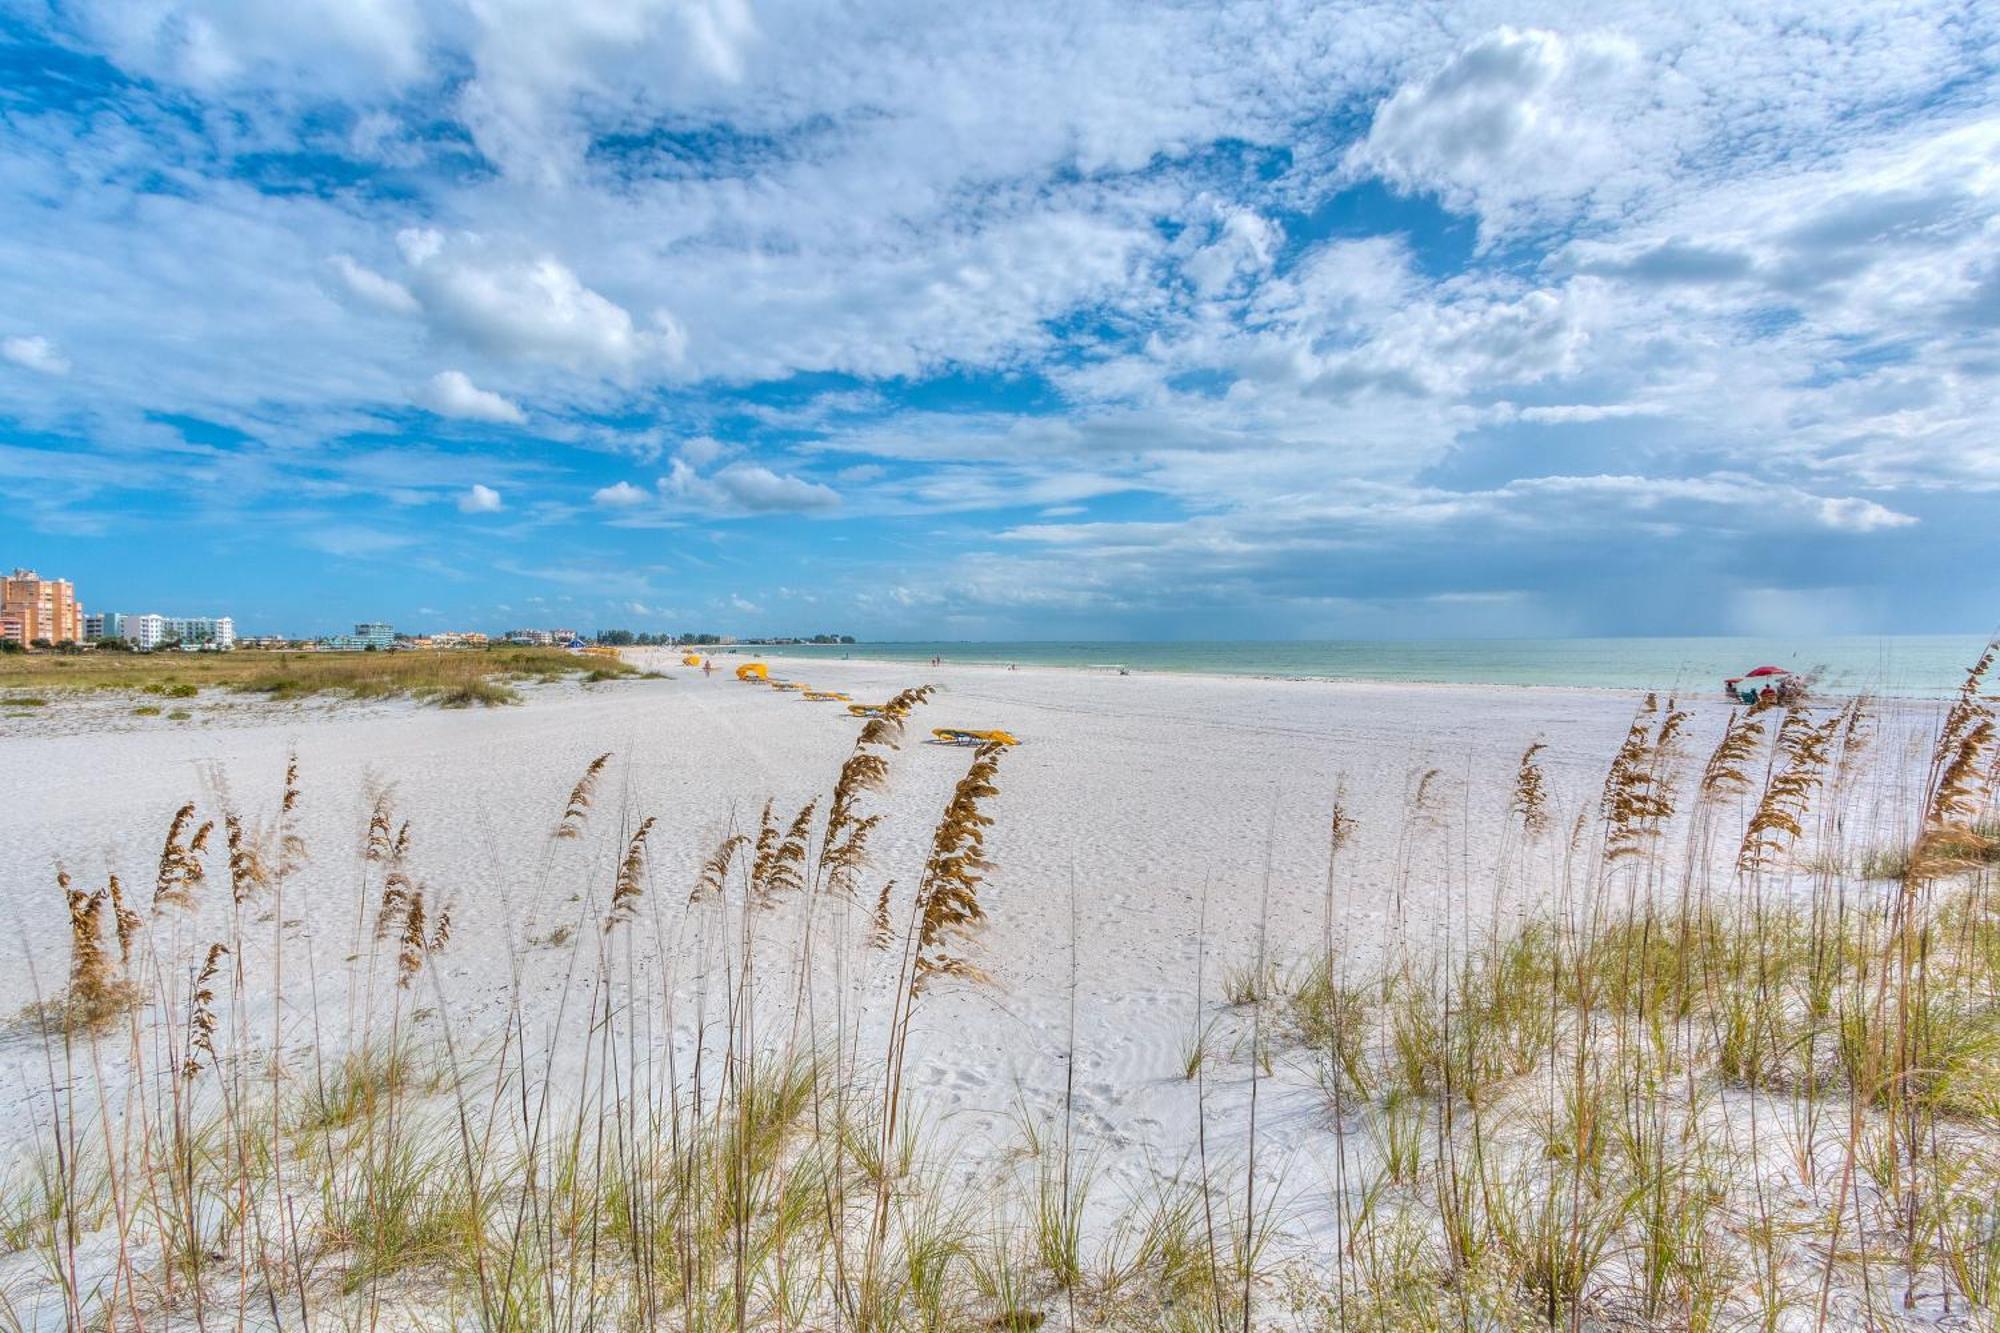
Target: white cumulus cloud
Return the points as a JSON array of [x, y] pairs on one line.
[[532, 308], [757, 487], [479, 500], [746, 487], [619, 495], [1513, 117], [451, 393]]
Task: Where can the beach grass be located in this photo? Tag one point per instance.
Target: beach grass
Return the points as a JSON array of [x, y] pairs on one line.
[[1704, 1080], [450, 677]]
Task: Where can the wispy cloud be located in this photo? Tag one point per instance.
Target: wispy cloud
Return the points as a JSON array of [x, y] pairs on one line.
[[35, 353]]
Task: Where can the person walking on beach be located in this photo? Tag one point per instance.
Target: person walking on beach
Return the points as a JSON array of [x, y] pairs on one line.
[[707, 666]]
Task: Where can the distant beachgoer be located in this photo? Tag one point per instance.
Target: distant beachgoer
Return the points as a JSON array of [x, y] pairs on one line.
[[1010, 666], [707, 666]]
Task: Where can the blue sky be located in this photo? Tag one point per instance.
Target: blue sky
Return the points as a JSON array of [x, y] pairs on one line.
[[1033, 320]]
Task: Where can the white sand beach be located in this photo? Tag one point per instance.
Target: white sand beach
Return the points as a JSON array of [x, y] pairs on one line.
[[1148, 830], [1135, 793]]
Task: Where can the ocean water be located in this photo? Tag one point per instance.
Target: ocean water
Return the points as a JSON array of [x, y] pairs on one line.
[[1902, 666]]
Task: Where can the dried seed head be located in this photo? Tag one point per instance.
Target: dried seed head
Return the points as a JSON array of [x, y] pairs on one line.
[[948, 908], [626, 891], [1726, 772], [881, 930], [1638, 795], [180, 867], [397, 890], [779, 868], [1779, 818], [126, 920], [201, 1022], [380, 842], [410, 957], [247, 873], [1531, 801], [714, 873], [578, 810]]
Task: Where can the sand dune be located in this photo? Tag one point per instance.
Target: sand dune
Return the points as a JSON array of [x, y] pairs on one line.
[[1149, 829]]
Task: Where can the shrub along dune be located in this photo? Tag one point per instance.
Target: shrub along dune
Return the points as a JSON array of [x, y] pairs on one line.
[[450, 677], [1713, 1077]]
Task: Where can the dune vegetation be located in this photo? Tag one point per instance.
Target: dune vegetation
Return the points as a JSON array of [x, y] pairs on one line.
[[1717, 1077], [447, 677]]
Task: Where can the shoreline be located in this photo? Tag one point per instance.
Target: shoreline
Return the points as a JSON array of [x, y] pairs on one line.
[[731, 654]]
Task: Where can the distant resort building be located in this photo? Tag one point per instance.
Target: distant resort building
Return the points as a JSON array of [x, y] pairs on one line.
[[35, 610], [38, 610], [369, 634], [147, 632], [544, 638]]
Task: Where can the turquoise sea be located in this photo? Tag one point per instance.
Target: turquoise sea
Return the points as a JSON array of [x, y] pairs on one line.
[[1906, 665]]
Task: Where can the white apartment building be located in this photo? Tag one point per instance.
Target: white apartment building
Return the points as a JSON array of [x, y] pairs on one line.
[[149, 631]]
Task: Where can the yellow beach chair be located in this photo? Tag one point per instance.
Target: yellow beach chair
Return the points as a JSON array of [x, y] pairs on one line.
[[788, 685], [754, 671], [867, 710], [962, 736], [827, 696]]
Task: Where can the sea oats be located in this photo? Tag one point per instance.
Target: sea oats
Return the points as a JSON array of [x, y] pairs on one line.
[[1725, 772], [714, 874], [247, 872], [180, 868], [1778, 820], [578, 810], [948, 908], [626, 890], [126, 920], [201, 1017], [1530, 801]]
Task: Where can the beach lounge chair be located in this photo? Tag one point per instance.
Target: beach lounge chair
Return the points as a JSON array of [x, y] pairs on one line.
[[867, 710], [961, 736], [827, 696], [753, 671], [787, 685]]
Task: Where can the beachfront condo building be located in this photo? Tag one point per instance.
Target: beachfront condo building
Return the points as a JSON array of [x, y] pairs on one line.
[[376, 634], [34, 609], [150, 631], [218, 632]]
